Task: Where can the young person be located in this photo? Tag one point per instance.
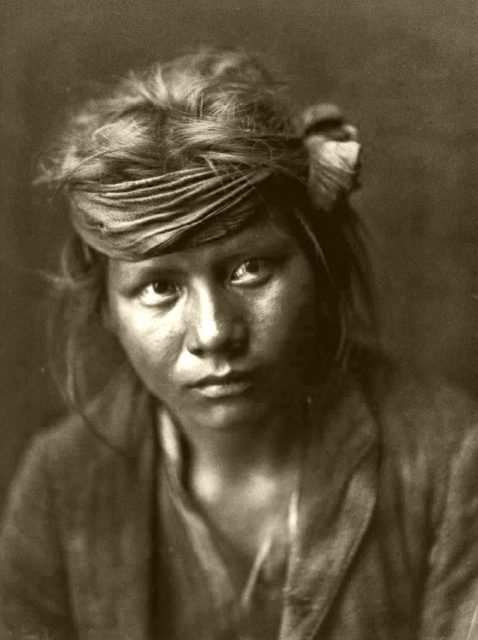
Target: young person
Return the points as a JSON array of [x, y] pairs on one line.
[[240, 462]]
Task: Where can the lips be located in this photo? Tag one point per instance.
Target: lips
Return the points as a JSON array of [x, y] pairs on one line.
[[230, 385]]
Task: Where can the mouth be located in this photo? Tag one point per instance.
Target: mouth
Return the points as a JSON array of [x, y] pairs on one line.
[[227, 386]]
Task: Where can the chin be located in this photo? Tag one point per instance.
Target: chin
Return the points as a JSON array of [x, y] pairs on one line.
[[227, 416]]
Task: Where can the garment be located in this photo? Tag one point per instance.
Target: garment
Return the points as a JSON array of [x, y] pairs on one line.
[[387, 542], [234, 598]]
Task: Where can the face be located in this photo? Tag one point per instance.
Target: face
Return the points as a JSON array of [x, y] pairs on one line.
[[219, 332]]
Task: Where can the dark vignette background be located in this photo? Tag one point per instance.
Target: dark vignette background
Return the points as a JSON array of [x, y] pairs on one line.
[[405, 71]]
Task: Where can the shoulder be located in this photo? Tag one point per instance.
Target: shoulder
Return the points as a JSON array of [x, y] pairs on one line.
[[69, 444], [70, 475], [57, 461], [427, 488], [427, 432], [112, 429], [82, 451], [416, 410]]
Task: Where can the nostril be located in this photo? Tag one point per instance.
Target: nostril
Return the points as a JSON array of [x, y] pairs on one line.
[[216, 336], [209, 339]]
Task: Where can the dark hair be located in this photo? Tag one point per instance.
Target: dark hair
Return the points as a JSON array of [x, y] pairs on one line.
[[223, 106]]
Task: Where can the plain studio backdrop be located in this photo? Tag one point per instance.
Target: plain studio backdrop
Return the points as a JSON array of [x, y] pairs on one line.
[[404, 71]]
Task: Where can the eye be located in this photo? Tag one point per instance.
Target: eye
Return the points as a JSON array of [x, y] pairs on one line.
[[253, 271], [159, 293]]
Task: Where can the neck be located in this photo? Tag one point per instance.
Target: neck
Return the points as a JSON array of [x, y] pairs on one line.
[[262, 449]]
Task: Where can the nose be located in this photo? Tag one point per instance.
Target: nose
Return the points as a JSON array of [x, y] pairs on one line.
[[215, 324]]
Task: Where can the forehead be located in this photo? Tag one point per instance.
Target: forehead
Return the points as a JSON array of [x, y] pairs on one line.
[[265, 233]]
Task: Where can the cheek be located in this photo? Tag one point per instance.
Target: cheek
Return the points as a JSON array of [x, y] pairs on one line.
[[287, 319], [150, 347]]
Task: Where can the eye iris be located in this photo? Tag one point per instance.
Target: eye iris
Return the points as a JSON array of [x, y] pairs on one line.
[[252, 266], [161, 288]]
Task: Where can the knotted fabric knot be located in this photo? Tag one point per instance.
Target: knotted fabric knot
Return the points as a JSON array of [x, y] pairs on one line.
[[334, 154]]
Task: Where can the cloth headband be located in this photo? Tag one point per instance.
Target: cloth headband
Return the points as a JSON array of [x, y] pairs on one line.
[[132, 219]]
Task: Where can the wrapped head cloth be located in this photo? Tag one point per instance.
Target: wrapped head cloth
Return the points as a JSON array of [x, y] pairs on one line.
[[132, 219]]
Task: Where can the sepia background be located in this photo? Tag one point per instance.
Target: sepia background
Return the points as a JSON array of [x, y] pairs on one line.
[[404, 71]]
